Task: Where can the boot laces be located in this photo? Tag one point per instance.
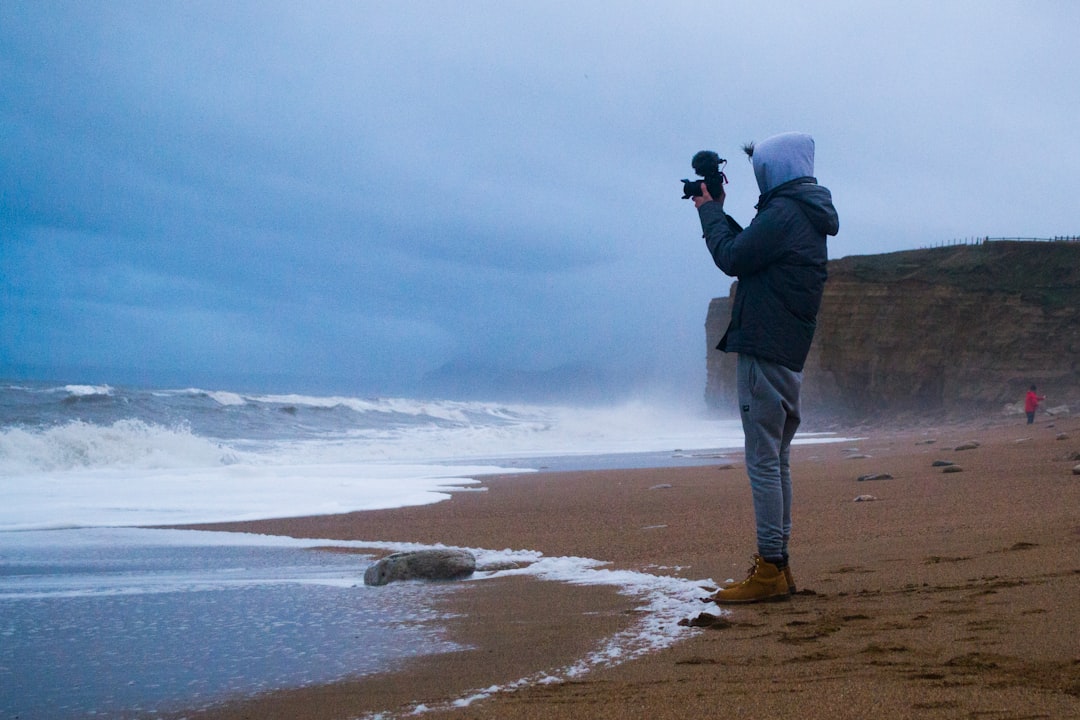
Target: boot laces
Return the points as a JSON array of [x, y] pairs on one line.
[[753, 569]]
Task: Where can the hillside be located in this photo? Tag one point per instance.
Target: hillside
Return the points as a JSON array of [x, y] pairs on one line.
[[947, 332]]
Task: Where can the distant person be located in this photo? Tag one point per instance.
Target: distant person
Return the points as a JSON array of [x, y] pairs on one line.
[[779, 261], [1031, 403]]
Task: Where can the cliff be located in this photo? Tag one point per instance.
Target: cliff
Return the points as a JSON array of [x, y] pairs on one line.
[[949, 332]]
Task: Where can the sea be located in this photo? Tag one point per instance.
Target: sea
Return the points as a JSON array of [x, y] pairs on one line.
[[103, 614]]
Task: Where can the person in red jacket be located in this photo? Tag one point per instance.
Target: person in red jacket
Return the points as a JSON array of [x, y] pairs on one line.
[[1031, 403]]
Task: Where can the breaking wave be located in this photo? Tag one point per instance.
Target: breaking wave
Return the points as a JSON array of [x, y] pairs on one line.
[[123, 444]]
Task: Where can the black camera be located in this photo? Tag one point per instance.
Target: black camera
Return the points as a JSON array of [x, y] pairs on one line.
[[707, 164]]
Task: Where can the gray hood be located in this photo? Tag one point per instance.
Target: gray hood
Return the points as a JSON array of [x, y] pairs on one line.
[[783, 158]]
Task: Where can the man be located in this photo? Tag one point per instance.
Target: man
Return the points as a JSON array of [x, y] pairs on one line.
[[779, 261]]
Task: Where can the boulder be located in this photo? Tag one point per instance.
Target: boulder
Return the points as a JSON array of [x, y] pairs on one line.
[[434, 564]]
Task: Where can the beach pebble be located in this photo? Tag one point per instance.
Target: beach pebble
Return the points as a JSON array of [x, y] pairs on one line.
[[865, 498], [661, 486], [435, 564], [1062, 436], [875, 476], [967, 446], [953, 469], [1076, 470], [942, 463], [857, 457], [926, 442], [706, 620]]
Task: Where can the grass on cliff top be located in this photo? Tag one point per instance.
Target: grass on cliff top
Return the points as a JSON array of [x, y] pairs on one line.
[[1046, 273]]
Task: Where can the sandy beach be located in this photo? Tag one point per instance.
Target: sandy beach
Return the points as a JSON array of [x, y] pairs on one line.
[[948, 594]]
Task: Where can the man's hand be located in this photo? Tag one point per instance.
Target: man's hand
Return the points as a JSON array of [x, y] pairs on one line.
[[706, 197]]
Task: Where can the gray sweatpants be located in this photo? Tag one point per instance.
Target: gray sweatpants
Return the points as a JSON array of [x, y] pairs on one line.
[[769, 407]]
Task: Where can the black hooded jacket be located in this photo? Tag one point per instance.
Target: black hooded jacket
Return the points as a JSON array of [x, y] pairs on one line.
[[779, 260]]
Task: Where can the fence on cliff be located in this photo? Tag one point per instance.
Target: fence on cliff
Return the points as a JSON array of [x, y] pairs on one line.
[[985, 239]]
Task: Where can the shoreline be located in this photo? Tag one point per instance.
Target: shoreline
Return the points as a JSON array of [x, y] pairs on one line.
[[948, 595]]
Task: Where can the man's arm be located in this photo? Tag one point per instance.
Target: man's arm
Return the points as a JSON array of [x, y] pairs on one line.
[[717, 226], [736, 251], [720, 232]]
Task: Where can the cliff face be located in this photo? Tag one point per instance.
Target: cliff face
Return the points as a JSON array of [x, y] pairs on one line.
[[953, 331]]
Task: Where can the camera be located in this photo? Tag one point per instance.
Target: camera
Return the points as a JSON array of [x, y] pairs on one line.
[[707, 164]]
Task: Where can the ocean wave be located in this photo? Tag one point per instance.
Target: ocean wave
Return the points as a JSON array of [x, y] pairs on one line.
[[448, 411], [506, 432], [228, 398], [221, 397], [124, 443], [436, 410], [101, 426], [454, 423], [87, 390]]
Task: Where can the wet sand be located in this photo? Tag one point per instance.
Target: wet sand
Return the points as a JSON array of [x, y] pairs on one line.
[[950, 594]]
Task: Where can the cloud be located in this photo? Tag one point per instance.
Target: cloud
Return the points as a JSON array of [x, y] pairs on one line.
[[354, 194]]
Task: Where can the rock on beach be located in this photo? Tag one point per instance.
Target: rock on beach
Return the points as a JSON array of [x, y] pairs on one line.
[[435, 564]]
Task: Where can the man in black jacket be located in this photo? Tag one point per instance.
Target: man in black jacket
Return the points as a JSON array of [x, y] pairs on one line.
[[779, 261]]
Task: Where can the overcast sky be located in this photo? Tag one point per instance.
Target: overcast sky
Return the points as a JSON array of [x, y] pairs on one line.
[[344, 196]]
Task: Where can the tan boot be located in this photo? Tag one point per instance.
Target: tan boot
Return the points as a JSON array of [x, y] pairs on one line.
[[766, 583], [787, 576]]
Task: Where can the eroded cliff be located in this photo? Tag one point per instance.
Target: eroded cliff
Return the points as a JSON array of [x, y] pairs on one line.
[[954, 331]]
